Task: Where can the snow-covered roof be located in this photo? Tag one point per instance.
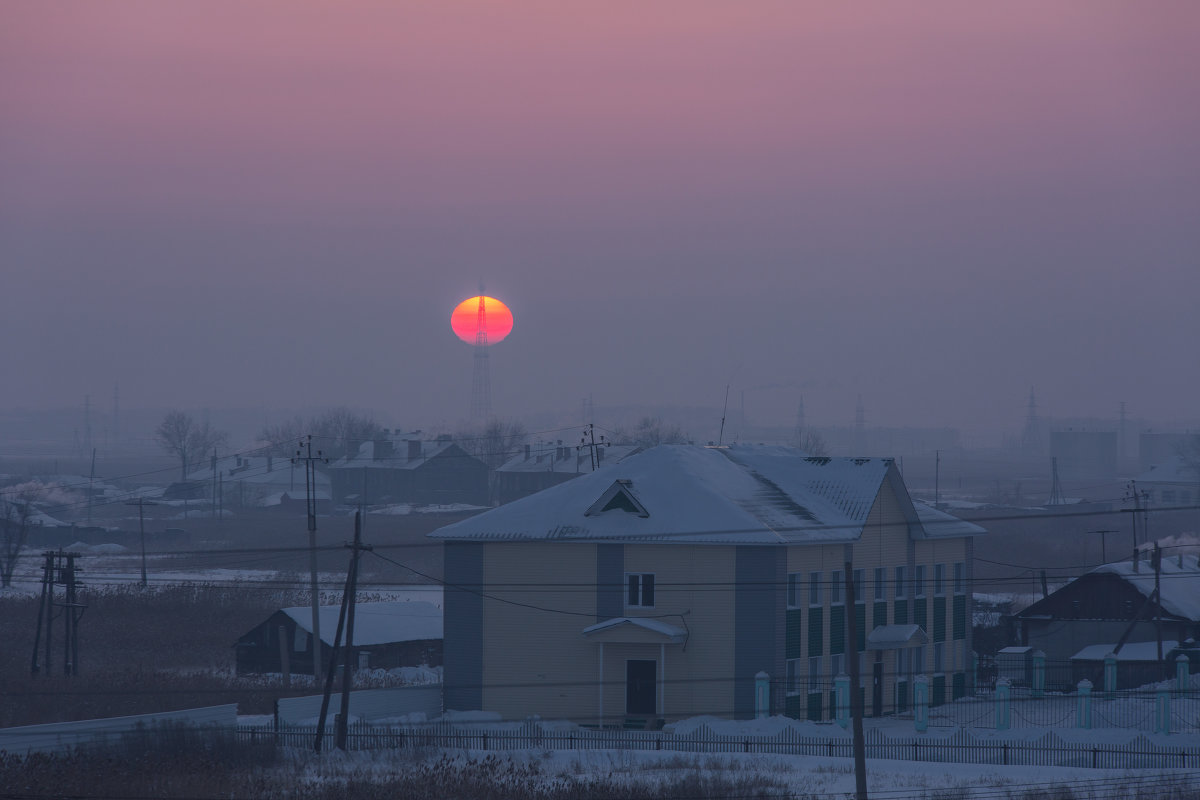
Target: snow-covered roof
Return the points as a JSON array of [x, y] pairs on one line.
[[1132, 651], [939, 524], [888, 637], [13, 511], [1180, 584], [741, 494], [1174, 471], [673, 632], [393, 454], [258, 470], [548, 457], [376, 623]]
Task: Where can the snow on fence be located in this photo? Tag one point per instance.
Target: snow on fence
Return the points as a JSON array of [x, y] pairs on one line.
[[962, 746], [62, 736], [368, 704]]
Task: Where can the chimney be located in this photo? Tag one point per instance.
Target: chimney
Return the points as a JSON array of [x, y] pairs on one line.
[[526, 452], [414, 449], [269, 460], [599, 456], [352, 446]]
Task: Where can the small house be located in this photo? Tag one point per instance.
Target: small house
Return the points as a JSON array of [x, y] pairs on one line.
[[386, 636]]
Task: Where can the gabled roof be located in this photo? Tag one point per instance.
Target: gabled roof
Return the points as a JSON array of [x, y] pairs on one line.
[[1180, 584], [396, 455], [551, 458], [742, 494], [259, 470], [376, 623]]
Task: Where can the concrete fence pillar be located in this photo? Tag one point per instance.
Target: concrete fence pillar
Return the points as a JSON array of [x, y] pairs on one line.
[[1003, 705], [1038, 684], [841, 696], [762, 695], [1110, 673], [1183, 675], [1162, 711], [921, 703], [974, 671], [1083, 711]]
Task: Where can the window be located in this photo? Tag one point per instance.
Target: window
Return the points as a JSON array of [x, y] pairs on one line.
[[960, 578], [836, 665], [814, 674], [792, 685], [835, 587], [939, 657], [917, 667], [939, 579], [814, 588], [793, 590], [919, 581], [899, 582], [640, 589], [880, 589], [901, 664], [859, 590]]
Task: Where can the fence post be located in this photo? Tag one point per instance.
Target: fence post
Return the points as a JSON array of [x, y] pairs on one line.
[[1162, 711], [841, 695], [974, 672], [1039, 674], [1183, 676], [1083, 714], [1003, 693], [1110, 673], [921, 703], [762, 695]]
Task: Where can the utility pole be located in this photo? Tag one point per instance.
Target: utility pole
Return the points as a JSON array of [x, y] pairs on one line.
[[141, 503], [937, 476], [1132, 493], [856, 698], [310, 486], [59, 568], [1103, 544], [1158, 599], [348, 667], [91, 477], [589, 443]]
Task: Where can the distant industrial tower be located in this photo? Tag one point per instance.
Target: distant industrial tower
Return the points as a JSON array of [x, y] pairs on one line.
[[481, 383], [1031, 437]]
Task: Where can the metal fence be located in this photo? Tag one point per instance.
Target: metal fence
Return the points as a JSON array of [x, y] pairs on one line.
[[962, 746]]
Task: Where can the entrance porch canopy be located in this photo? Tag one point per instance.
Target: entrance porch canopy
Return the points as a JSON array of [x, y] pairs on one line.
[[635, 630], [893, 637]]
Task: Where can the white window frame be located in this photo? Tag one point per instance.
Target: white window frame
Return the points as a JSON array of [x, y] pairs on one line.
[[939, 580], [837, 665], [815, 667], [860, 596], [918, 580], [814, 589], [960, 578], [795, 587], [792, 681], [836, 587], [901, 582], [881, 584], [629, 590]]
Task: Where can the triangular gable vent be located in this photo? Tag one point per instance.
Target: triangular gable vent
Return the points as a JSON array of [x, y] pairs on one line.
[[618, 497]]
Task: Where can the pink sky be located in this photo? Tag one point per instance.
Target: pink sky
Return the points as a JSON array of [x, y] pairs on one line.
[[934, 204]]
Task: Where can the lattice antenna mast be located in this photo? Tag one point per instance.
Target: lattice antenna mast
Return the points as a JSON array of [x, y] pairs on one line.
[[481, 383]]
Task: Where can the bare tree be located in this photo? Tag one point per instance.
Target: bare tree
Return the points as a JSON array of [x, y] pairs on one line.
[[811, 443], [17, 510], [335, 432], [494, 442], [652, 431], [188, 440]]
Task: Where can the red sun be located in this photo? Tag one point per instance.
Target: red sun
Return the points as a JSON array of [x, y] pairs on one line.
[[496, 319]]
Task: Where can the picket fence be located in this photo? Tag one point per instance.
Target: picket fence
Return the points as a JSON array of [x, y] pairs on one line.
[[962, 746]]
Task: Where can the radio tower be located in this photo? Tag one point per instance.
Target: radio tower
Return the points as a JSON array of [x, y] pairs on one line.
[[481, 384], [1031, 437]]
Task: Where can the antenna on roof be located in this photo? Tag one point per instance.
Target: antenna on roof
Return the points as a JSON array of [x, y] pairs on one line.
[[721, 437]]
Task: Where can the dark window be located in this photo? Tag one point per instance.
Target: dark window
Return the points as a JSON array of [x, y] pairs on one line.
[[880, 579], [640, 589], [793, 590]]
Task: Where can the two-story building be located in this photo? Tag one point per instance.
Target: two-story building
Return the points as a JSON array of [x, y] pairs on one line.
[[658, 588]]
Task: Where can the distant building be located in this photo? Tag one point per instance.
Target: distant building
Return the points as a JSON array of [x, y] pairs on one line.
[[1175, 483], [1084, 454], [397, 470], [547, 464], [1108, 603], [386, 636], [659, 587], [1162, 448], [250, 481]]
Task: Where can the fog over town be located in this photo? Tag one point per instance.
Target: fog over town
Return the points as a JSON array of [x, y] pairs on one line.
[[757, 307]]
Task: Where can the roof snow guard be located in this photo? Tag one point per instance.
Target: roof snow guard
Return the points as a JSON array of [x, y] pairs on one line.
[[741, 494]]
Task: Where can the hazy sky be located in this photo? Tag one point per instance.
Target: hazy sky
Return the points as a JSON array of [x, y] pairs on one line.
[[933, 205]]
